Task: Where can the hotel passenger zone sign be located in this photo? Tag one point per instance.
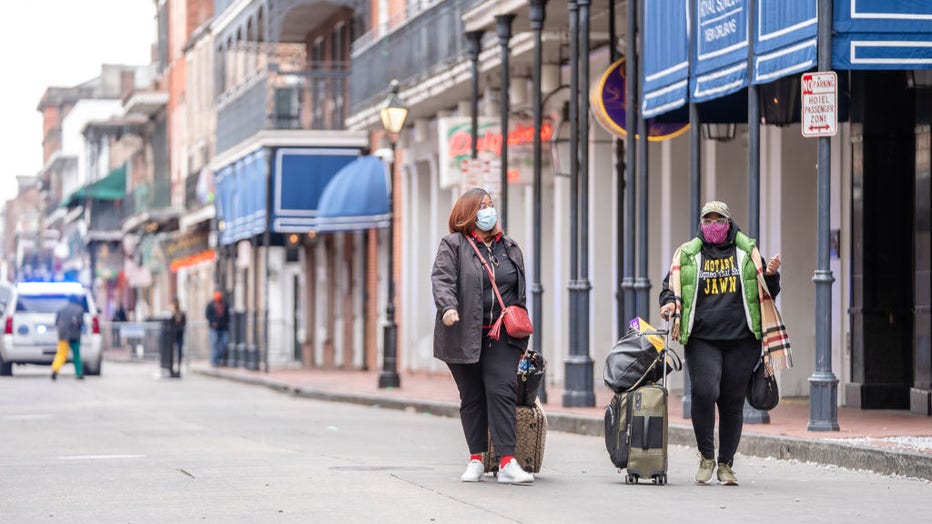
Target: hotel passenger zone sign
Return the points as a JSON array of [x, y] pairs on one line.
[[819, 104]]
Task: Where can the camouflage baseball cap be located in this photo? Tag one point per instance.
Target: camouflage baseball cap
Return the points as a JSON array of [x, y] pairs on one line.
[[714, 206]]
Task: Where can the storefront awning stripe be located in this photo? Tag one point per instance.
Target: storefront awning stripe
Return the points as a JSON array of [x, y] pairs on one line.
[[784, 38], [666, 56], [880, 34]]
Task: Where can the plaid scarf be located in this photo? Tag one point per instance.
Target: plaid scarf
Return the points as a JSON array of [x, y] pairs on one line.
[[774, 338]]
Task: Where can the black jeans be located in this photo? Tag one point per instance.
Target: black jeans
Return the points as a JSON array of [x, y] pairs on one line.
[[487, 397], [719, 372]]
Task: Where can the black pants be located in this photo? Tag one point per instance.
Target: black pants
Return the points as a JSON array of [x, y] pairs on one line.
[[719, 372], [487, 397]]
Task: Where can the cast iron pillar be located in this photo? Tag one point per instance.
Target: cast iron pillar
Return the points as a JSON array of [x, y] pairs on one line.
[[537, 15], [695, 203], [578, 365], [823, 385], [473, 47], [642, 283], [613, 56], [630, 207], [503, 29], [751, 415]]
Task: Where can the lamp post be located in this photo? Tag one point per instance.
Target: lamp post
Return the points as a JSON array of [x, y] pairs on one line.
[[393, 113]]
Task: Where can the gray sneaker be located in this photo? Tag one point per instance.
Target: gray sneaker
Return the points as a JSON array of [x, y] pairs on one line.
[[726, 476], [704, 474]]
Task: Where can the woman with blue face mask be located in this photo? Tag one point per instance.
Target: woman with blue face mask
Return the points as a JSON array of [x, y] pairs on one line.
[[483, 368]]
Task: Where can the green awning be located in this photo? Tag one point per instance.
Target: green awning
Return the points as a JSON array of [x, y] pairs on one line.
[[110, 187]]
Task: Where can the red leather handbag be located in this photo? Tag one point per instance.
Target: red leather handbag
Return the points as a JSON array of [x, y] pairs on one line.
[[515, 318]]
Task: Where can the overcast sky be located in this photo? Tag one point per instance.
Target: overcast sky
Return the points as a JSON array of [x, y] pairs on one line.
[[59, 43]]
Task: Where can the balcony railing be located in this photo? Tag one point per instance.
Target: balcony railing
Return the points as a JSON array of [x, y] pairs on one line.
[[430, 40], [283, 94], [152, 196], [106, 215], [190, 192]]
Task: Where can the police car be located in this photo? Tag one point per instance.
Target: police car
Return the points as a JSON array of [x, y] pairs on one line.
[[29, 332]]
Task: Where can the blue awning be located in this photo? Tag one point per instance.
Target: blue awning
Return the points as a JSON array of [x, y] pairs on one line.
[[223, 201], [882, 34], [720, 49], [240, 197], [665, 75], [301, 174], [356, 198], [785, 38]]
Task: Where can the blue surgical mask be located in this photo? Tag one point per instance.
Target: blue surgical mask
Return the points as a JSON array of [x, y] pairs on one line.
[[486, 218]]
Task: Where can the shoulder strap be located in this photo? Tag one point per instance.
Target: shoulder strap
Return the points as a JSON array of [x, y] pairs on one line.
[[487, 270]]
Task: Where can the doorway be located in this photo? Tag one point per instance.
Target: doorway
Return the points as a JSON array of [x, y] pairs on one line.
[[883, 184]]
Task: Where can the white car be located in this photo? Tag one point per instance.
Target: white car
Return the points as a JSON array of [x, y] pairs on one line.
[[29, 332]]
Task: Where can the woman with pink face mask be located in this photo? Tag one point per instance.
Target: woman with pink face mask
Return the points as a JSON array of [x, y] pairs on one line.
[[713, 297]]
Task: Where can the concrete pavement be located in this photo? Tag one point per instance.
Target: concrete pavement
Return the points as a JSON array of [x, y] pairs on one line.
[[131, 447], [888, 442]]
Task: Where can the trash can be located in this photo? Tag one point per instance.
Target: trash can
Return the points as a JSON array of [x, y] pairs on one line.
[[161, 337]]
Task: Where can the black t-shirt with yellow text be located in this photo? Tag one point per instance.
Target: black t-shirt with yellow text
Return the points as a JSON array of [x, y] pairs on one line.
[[719, 307]]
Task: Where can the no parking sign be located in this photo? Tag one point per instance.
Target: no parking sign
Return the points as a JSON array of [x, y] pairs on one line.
[[819, 104]]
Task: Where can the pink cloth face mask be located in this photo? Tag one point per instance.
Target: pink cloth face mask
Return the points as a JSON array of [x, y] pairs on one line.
[[715, 233]]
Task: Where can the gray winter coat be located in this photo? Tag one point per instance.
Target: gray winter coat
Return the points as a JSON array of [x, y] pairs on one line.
[[458, 278]]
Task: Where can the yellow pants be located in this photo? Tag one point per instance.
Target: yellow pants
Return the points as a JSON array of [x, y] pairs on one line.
[[62, 355]]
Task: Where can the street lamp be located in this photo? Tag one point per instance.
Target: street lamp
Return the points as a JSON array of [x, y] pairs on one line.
[[721, 132], [393, 113]]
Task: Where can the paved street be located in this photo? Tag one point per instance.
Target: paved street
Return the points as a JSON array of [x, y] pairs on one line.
[[129, 447]]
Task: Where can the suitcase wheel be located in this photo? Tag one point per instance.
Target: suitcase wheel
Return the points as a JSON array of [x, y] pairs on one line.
[[660, 480], [631, 479]]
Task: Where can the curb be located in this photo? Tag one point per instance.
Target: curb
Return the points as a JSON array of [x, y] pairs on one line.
[[883, 461]]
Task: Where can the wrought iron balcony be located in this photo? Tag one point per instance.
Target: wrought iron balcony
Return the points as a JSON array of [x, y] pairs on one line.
[[283, 92], [429, 40], [152, 196], [191, 201], [106, 215]]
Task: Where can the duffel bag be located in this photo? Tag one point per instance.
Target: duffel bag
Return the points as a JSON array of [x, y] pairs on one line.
[[634, 360]]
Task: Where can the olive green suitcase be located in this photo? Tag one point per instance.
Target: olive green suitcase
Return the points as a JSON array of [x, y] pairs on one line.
[[636, 425], [647, 434]]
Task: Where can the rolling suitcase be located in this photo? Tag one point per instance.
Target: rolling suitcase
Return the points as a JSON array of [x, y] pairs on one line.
[[530, 437], [636, 428]]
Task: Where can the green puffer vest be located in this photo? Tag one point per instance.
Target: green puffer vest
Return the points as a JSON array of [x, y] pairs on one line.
[[689, 271]]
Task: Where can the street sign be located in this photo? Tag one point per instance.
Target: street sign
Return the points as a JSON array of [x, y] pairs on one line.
[[819, 104]]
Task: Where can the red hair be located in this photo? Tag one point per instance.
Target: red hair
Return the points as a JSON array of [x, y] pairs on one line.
[[463, 214]]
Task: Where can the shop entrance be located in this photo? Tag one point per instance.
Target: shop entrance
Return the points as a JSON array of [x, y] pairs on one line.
[[883, 117]]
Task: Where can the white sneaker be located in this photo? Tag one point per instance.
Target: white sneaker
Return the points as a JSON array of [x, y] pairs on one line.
[[513, 474], [474, 471]]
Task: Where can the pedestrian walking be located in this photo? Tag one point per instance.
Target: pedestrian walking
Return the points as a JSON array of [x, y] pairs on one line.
[[69, 320], [720, 296], [177, 322], [484, 369], [218, 320], [119, 316]]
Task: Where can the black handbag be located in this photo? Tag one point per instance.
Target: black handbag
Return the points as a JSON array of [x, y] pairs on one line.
[[634, 360], [530, 377], [762, 388]]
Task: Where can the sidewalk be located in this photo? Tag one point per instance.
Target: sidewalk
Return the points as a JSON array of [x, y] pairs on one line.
[[889, 442]]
